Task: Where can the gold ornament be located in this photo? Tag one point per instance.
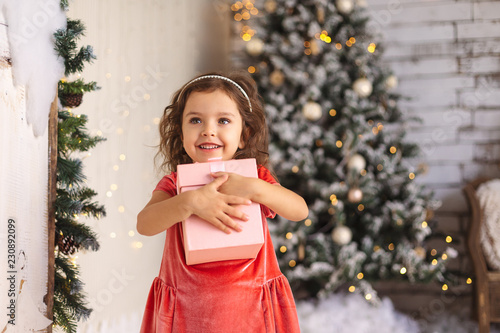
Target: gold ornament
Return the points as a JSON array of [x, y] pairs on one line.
[[321, 15], [270, 6], [255, 46], [341, 235], [355, 195], [312, 111], [301, 252], [363, 87], [391, 82], [361, 3], [420, 252], [344, 6], [277, 78], [314, 47]]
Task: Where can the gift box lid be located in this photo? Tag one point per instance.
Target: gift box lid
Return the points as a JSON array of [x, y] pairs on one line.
[[195, 174]]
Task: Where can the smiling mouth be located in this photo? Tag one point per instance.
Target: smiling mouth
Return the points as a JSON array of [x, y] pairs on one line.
[[209, 147]]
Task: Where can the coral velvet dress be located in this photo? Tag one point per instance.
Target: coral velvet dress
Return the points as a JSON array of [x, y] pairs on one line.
[[246, 295]]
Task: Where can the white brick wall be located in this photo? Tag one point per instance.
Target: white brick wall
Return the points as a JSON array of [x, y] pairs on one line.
[[446, 55]]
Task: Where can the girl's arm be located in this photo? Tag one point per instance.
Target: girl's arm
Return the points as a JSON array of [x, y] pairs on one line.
[[276, 197], [163, 211]]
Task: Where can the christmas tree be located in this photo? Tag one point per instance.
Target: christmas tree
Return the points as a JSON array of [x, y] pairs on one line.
[[74, 198], [337, 138]]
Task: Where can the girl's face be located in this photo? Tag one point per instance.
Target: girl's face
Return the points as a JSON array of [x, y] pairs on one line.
[[211, 126]]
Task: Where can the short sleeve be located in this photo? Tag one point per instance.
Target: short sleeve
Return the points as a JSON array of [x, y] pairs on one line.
[[266, 175], [168, 184]]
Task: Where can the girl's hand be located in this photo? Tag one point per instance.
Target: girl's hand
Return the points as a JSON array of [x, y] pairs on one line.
[[210, 204], [235, 185]]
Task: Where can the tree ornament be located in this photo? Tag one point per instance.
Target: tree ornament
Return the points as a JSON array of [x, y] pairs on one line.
[[270, 6], [321, 15], [341, 235], [356, 162], [362, 3], [391, 82], [363, 87], [314, 47], [312, 111], [277, 78], [355, 195], [420, 252], [255, 47], [301, 252], [344, 6]]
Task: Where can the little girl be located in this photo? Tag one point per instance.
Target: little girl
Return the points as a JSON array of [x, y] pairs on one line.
[[215, 116]]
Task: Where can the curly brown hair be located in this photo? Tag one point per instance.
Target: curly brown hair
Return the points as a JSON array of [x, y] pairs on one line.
[[255, 133]]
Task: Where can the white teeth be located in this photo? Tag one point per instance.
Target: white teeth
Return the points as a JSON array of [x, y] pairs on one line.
[[209, 146]]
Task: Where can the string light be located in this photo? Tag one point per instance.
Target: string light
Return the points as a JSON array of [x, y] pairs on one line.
[[362, 172], [138, 245], [371, 47], [380, 167], [127, 78], [295, 169], [469, 281], [333, 112], [352, 289], [424, 224], [131, 233], [376, 248], [113, 187], [109, 194], [122, 157], [360, 276], [108, 75], [116, 167], [433, 252], [402, 270], [361, 207], [307, 222], [289, 235], [449, 239], [338, 144], [434, 262], [156, 121], [368, 297], [121, 209], [338, 46], [283, 249], [391, 247], [444, 256], [411, 175], [292, 263], [112, 235], [251, 69], [444, 287], [393, 150]]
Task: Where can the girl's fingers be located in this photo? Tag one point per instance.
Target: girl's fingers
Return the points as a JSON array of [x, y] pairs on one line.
[[236, 200], [229, 222], [219, 181], [235, 212]]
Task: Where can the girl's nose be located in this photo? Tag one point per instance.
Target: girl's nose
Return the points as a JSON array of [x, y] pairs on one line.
[[208, 131]]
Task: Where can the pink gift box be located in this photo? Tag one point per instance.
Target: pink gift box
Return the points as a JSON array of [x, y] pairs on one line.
[[202, 241]]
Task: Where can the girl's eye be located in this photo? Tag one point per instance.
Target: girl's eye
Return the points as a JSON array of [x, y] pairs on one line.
[[224, 121], [195, 120]]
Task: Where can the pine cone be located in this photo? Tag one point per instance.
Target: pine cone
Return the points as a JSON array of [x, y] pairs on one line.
[[71, 100]]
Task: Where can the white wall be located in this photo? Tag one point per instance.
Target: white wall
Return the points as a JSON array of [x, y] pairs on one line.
[[146, 50], [446, 55]]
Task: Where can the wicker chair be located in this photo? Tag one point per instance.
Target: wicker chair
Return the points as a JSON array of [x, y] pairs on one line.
[[486, 301]]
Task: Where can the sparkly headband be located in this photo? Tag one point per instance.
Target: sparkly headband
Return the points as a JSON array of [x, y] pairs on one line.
[[222, 78]]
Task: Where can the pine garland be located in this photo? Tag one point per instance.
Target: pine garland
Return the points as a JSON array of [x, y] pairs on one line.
[[73, 197]]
